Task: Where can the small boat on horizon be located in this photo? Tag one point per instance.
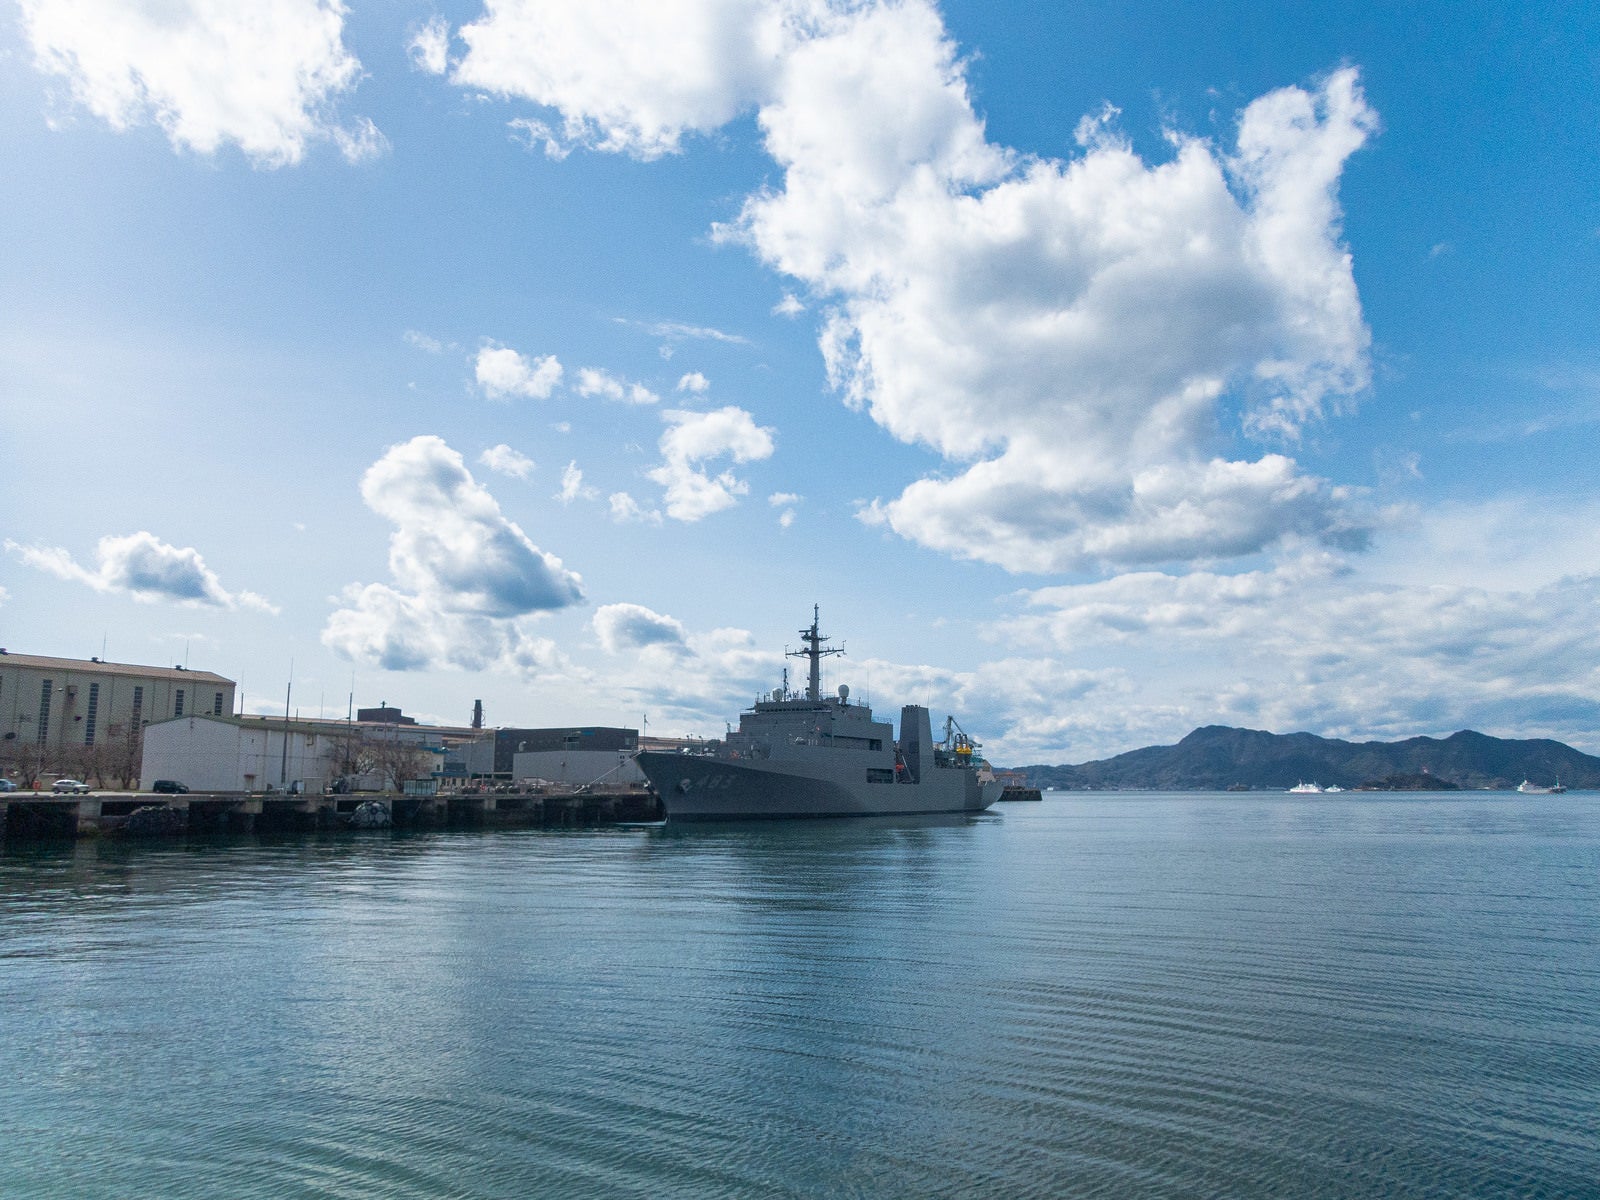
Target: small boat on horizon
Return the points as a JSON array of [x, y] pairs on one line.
[[1534, 789], [1305, 789]]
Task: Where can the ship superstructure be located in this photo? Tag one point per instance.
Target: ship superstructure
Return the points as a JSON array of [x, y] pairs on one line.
[[811, 755]]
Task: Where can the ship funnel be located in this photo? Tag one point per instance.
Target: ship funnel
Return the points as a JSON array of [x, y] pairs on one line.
[[916, 741]]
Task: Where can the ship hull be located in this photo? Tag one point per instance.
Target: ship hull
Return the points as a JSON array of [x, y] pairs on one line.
[[703, 788]]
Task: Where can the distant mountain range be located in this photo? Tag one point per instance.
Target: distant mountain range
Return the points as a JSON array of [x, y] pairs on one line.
[[1217, 757]]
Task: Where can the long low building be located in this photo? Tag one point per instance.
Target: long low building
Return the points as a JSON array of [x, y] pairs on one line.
[[263, 753], [258, 754], [598, 756], [588, 768]]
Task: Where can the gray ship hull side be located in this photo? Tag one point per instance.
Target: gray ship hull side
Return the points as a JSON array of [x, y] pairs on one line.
[[693, 787]]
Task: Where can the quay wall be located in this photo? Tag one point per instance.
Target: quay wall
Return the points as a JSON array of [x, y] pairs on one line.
[[30, 816]]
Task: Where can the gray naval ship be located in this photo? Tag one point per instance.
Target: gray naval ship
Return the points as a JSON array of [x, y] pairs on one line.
[[821, 756]]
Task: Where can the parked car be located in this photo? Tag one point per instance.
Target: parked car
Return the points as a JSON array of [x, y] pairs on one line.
[[70, 785], [169, 785], [7, 786]]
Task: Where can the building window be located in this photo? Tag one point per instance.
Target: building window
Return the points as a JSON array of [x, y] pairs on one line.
[[138, 708], [177, 703], [94, 709], [45, 689], [216, 706]]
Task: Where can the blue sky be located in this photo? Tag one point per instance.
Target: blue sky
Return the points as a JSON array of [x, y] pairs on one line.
[[1102, 372]]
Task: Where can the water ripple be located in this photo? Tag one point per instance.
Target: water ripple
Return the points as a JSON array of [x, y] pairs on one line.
[[1097, 996]]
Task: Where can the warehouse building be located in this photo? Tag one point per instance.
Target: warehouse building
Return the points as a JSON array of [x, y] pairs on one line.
[[590, 739], [584, 755], [66, 704], [259, 754]]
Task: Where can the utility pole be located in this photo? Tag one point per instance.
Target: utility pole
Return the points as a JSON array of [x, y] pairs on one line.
[[283, 769]]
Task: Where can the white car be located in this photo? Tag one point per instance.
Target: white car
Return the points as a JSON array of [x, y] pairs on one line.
[[70, 785]]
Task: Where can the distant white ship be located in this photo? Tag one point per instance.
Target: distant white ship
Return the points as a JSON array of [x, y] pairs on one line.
[[1534, 789], [1305, 789]]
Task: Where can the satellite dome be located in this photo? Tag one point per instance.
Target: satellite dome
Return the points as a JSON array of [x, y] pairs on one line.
[[844, 693]]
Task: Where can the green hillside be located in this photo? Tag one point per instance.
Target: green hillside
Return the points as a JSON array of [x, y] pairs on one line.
[[1217, 757]]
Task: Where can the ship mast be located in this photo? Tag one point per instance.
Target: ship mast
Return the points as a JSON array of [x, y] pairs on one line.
[[814, 651]]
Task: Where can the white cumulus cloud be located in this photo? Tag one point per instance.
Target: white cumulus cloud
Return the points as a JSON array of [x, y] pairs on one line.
[[429, 46], [1080, 339], [573, 486], [144, 567], [262, 76], [625, 75], [624, 508], [502, 372], [622, 626], [686, 681], [1068, 331], [464, 578], [595, 382], [692, 439], [788, 502], [506, 461]]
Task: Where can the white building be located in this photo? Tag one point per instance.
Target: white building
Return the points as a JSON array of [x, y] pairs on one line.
[[69, 703], [602, 768], [256, 754]]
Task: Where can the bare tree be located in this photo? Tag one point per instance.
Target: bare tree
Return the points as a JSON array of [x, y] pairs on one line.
[[353, 754], [392, 759], [97, 763], [28, 759], [76, 761], [124, 753]]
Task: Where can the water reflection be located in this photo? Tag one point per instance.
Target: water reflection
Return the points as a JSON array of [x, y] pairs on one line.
[[1096, 995]]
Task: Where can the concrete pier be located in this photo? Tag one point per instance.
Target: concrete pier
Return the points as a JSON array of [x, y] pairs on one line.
[[38, 815]]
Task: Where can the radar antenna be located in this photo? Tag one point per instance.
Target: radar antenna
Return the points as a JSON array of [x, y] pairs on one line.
[[814, 651]]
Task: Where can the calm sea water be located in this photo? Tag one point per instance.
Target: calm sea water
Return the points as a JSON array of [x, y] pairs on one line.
[[1162, 996]]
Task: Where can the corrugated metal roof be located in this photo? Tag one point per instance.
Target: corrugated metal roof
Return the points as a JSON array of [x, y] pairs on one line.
[[87, 666]]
